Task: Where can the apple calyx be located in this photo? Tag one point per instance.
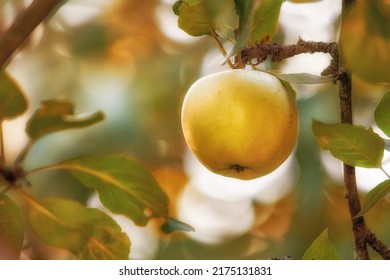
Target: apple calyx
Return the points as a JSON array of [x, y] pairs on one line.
[[237, 168]]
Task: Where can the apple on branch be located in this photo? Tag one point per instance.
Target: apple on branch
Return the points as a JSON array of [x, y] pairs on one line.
[[240, 123]]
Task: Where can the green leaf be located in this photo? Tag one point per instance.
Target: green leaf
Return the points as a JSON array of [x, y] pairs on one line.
[[124, 187], [177, 4], [54, 115], [86, 232], [204, 17], [258, 22], [222, 15], [172, 225], [11, 229], [382, 114], [265, 21], [12, 100], [322, 248], [302, 78], [176, 7], [353, 145], [244, 10], [288, 87], [374, 196], [193, 17]]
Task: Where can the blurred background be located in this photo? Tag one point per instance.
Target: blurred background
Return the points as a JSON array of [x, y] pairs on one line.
[[129, 59]]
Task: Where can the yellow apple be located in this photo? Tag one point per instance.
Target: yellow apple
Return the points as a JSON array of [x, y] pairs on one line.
[[240, 123]]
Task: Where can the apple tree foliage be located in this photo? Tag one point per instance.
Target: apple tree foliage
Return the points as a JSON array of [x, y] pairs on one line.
[[364, 45], [127, 188], [124, 187]]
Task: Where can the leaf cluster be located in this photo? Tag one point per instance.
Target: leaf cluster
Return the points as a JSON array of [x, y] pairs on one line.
[[249, 26], [244, 23], [124, 187]]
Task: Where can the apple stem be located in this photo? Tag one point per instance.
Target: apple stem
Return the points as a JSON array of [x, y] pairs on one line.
[[221, 49]]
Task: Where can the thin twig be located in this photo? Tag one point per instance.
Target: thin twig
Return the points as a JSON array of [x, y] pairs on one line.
[[23, 154], [221, 49], [385, 172], [25, 22], [277, 53], [14, 36]]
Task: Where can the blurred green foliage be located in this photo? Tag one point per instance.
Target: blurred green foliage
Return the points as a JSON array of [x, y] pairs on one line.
[[122, 62]]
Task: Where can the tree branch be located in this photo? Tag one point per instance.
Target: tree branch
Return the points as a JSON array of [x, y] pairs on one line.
[[278, 53], [27, 20], [359, 228]]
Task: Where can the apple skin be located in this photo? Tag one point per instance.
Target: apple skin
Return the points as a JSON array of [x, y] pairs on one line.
[[240, 123]]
